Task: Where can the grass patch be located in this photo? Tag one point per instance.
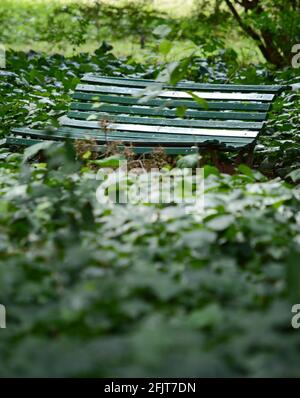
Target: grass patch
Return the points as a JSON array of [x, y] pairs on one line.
[[39, 26]]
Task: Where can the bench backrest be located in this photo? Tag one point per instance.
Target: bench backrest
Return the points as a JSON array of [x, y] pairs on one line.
[[231, 115], [147, 114]]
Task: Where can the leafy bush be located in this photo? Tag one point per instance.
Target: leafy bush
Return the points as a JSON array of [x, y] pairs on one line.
[[272, 24], [142, 290], [41, 24], [35, 90], [95, 290]]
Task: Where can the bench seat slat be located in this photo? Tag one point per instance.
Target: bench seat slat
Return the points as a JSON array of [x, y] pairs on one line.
[[160, 129], [130, 137], [166, 122], [183, 85], [189, 104], [175, 93], [140, 110], [177, 150]]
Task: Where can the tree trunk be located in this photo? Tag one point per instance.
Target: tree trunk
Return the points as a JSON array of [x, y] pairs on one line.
[[264, 38]]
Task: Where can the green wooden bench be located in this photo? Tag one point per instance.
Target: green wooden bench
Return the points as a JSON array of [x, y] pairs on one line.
[[107, 109]]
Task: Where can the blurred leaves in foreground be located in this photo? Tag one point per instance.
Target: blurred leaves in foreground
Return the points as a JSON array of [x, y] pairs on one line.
[[145, 290]]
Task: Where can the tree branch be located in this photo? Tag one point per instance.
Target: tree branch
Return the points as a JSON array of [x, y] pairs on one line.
[[251, 32], [264, 40]]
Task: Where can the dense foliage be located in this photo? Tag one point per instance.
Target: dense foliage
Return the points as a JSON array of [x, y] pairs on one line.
[[99, 291], [273, 24], [145, 290]]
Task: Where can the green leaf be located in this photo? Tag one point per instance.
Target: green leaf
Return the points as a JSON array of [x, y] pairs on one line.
[[165, 47], [220, 223], [188, 161], [294, 175], [33, 150], [87, 155], [210, 315], [162, 31], [114, 161], [103, 49], [181, 111], [210, 170], [200, 101]]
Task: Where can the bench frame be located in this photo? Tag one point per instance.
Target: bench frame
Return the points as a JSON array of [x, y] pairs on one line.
[[143, 114]]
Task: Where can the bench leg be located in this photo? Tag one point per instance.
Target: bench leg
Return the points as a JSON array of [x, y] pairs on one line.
[[222, 166], [246, 156]]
